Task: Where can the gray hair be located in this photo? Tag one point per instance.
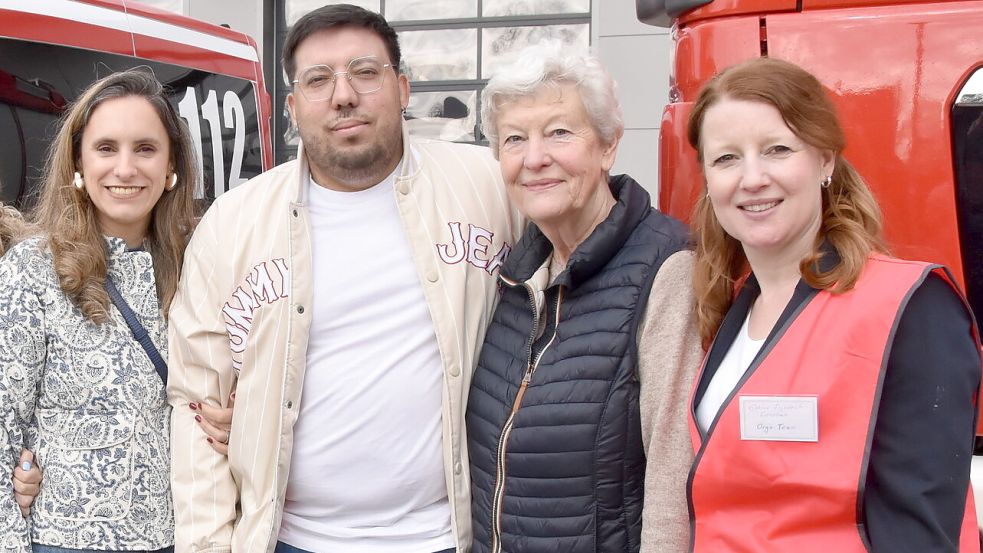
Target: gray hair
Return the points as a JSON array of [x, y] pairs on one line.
[[552, 64]]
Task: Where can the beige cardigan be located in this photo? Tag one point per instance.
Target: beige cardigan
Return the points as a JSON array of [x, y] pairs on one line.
[[669, 356]]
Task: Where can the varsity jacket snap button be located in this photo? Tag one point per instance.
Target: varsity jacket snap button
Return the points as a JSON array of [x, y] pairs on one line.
[[290, 404], [300, 309], [432, 275], [454, 370], [295, 213], [404, 188]]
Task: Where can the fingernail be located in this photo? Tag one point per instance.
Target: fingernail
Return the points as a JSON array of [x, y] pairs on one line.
[[210, 440], [193, 406], [26, 465], [197, 418]]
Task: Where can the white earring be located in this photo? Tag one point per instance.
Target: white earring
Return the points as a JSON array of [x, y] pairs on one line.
[[173, 184], [827, 181], [78, 182]]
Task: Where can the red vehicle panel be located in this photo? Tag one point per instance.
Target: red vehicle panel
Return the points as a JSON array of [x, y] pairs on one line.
[[730, 8], [51, 49], [896, 115], [57, 30]]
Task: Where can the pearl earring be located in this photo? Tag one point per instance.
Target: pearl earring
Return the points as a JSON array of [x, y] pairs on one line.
[[827, 181], [173, 184], [78, 182]]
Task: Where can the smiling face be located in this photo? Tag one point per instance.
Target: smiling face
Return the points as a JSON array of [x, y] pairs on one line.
[[352, 141], [553, 163], [125, 161], [763, 180]]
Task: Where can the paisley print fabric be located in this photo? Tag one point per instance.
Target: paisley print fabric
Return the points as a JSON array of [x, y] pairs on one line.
[[88, 401]]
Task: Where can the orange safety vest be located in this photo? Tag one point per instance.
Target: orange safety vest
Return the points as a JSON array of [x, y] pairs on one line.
[[801, 496]]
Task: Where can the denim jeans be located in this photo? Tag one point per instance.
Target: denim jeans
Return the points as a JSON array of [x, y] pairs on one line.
[[286, 548], [38, 548]]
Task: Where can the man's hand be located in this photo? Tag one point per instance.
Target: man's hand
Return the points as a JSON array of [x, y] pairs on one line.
[[216, 423], [27, 482]]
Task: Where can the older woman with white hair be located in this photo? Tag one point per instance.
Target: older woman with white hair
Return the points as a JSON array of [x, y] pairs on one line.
[[577, 413]]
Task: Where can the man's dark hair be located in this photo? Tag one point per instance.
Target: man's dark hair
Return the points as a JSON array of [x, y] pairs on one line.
[[340, 15]]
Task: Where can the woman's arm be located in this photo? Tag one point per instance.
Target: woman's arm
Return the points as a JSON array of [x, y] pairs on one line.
[[22, 357], [216, 423], [923, 439], [669, 355]]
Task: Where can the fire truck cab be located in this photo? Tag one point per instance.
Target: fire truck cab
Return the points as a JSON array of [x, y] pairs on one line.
[[50, 50]]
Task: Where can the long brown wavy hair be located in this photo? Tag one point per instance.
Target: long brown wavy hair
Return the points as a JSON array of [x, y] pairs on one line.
[[851, 218], [67, 218]]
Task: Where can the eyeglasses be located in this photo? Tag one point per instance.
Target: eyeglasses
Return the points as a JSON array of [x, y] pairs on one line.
[[365, 75]]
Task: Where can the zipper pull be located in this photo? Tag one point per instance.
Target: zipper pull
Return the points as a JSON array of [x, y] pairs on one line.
[[522, 389]]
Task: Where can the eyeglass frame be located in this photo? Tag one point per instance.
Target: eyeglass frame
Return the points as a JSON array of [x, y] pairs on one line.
[[347, 74]]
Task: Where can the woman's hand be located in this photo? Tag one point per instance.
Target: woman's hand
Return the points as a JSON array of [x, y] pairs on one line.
[[216, 422], [27, 482]]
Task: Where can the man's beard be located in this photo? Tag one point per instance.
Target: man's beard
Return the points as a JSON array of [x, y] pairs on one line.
[[367, 163]]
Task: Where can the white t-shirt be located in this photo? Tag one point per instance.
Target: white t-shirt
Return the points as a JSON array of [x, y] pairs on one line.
[[367, 473], [729, 373]]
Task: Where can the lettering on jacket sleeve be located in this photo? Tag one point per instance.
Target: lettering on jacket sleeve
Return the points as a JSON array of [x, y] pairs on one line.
[[265, 284], [474, 248]]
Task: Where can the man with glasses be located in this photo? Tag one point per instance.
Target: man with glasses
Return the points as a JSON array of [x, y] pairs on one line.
[[345, 295]]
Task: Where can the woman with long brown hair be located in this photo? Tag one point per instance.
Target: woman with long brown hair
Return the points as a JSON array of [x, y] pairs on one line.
[[836, 406], [83, 325]]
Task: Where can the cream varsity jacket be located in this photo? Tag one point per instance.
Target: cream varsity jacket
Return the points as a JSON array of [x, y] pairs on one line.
[[241, 314]]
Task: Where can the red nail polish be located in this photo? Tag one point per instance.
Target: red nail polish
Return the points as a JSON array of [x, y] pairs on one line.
[[197, 418], [210, 440], [193, 406]]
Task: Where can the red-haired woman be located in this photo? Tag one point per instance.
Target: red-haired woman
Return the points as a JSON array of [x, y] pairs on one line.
[[836, 406]]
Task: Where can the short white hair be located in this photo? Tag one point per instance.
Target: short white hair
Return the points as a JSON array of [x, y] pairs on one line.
[[552, 63]]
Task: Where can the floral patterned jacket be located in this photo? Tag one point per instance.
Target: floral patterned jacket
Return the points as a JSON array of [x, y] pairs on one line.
[[88, 401]]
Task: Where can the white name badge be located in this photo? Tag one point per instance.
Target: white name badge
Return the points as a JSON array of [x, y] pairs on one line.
[[780, 418]]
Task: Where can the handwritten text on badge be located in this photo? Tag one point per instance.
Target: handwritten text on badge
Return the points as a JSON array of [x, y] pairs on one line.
[[780, 418]]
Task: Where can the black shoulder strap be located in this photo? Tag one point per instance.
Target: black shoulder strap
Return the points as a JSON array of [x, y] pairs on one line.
[[137, 329]]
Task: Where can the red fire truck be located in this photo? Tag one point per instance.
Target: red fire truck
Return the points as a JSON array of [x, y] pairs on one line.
[[907, 79], [50, 50]]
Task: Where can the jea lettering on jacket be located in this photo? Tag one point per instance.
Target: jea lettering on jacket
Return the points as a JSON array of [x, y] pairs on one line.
[[474, 249]]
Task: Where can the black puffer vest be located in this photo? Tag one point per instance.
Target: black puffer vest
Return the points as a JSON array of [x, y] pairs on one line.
[[557, 464]]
